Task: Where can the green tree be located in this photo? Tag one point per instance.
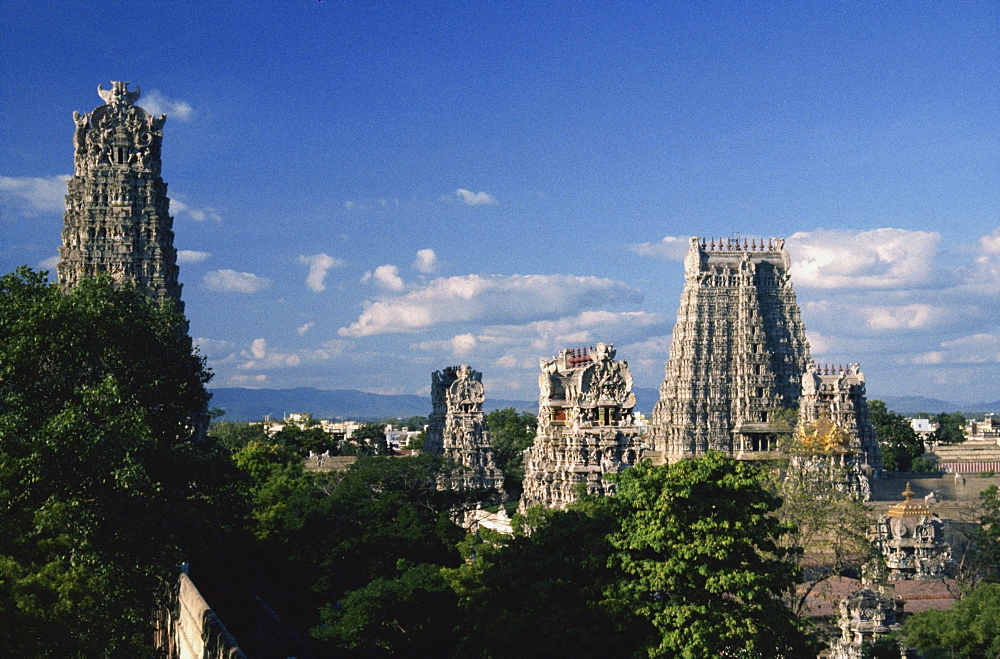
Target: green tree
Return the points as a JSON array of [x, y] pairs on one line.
[[951, 428], [105, 482], [981, 561], [898, 441], [369, 440], [511, 434], [970, 628], [701, 546], [235, 435]]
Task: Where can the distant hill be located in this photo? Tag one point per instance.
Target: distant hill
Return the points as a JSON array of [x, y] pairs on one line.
[[909, 405], [254, 404]]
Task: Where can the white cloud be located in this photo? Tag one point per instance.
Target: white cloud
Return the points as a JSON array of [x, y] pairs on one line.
[[319, 264], [880, 258], [259, 356], [673, 248], [230, 281], [179, 208], [32, 195], [475, 198], [488, 298], [426, 261], [214, 349], [908, 316], [49, 263], [386, 277], [155, 103], [191, 256], [982, 348], [305, 328]]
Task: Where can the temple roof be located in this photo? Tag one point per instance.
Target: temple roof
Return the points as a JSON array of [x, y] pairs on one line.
[[909, 507]]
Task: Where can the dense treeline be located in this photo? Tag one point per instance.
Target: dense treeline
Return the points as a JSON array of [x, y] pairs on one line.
[[108, 483]]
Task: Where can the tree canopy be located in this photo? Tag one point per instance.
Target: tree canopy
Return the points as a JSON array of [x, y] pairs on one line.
[[899, 443], [105, 481], [510, 434]]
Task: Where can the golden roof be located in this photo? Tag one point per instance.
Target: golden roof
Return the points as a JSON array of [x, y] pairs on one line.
[[909, 507]]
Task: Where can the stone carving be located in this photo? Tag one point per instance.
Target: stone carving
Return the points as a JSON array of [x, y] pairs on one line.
[[457, 429], [834, 398], [586, 428], [117, 216], [738, 352], [866, 615], [911, 540]]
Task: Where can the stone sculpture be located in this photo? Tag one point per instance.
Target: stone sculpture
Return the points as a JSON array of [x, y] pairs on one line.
[[117, 218], [911, 540], [457, 429], [586, 428]]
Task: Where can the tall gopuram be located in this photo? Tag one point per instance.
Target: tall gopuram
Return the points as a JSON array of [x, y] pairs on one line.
[[586, 428], [737, 356], [457, 429], [117, 216]]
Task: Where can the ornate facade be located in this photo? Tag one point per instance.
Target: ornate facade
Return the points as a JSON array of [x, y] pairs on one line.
[[117, 216], [457, 429], [738, 352], [911, 540], [866, 615], [586, 429]]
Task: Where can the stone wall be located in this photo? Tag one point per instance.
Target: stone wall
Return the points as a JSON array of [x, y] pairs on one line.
[[187, 627]]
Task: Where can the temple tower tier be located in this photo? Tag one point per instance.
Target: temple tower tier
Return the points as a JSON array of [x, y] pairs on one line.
[[586, 427], [737, 356], [457, 430], [117, 218]]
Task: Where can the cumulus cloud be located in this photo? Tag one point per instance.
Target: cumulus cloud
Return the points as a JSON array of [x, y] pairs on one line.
[[475, 198], [489, 299], [319, 264], [305, 328], [230, 281], [907, 316], [672, 248], [32, 195], [49, 263], [386, 277], [259, 356], [214, 349], [982, 348], [191, 256], [877, 259], [155, 103], [180, 209], [426, 261]]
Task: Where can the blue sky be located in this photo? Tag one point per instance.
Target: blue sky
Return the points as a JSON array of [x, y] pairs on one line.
[[367, 192]]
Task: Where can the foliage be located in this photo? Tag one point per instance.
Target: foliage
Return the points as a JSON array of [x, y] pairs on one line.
[[547, 586], [922, 465], [105, 483], [951, 428], [898, 441], [511, 434], [368, 440], [982, 559], [886, 647], [310, 439], [702, 549], [970, 628], [234, 435]]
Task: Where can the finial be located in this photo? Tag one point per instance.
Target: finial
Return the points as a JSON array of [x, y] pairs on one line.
[[908, 493], [118, 94]]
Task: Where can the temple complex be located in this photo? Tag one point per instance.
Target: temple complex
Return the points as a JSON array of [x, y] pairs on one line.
[[457, 429], [586, 428], [911, 540], [738, 353], [117, 218]]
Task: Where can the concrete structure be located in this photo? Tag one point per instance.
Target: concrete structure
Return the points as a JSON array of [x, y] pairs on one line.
[[987, 430], [117, 217], [456, 429], [187, 627], [911, 540], [738, 353], [586, 427]]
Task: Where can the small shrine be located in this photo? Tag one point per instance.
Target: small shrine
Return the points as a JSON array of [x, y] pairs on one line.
[[911, 540]]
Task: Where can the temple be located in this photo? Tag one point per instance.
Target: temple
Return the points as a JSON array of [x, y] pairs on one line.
[[911, 540], [457, 430], [117, 218], [586, 428], [738, 353]]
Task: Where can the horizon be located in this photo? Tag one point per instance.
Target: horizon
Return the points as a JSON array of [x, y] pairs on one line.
[[365, 195]]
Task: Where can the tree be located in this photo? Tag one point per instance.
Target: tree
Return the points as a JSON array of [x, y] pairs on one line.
[[951, 428], [369, 439], [970, 628], [981, 560], [896, 437], [106, 484], [511, 434], [702, 549]]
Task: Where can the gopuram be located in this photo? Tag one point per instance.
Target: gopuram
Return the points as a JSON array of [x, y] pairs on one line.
[[117, 218], [457, 429], [835, 424], [586, 428], [738, 353]]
